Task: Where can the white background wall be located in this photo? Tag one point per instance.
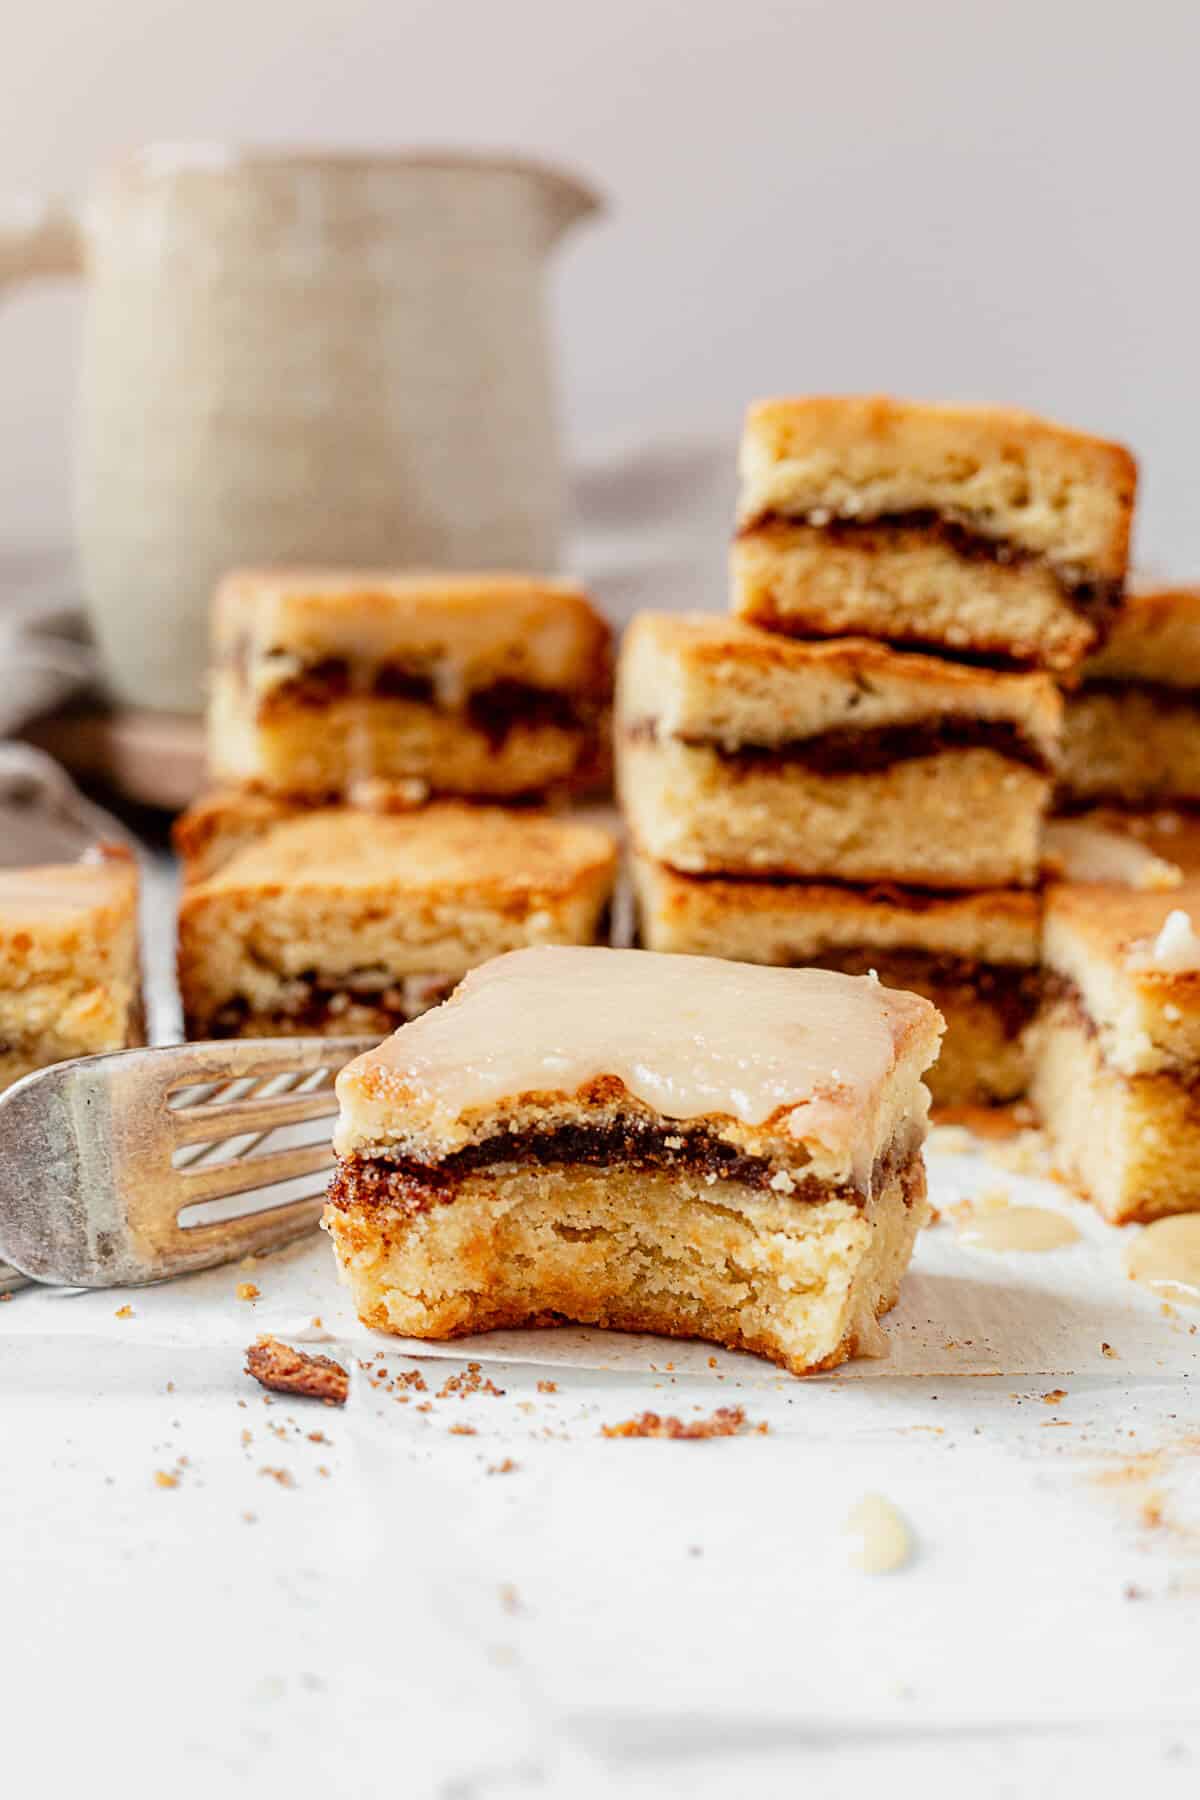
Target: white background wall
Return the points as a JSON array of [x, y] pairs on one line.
[[932, 196]]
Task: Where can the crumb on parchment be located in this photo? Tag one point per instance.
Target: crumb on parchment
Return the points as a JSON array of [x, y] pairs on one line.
[[287, 1371], [727, 1421], [283, 1477]]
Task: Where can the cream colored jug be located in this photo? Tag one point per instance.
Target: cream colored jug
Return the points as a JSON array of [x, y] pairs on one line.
[[302, 358]]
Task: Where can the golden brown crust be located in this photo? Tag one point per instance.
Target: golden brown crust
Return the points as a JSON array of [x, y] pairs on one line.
[[284, 1370], [496, 856], [216, 826]]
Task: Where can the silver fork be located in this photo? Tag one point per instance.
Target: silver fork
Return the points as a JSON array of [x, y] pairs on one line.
[[124, 1169]]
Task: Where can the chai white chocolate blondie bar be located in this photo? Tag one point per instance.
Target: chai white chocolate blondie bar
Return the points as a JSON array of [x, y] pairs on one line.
[[485, 685], [652, 1143], [343, 922], [70, 982], [1117, 1045], [743, 752], [975, 531], [1131, 734]]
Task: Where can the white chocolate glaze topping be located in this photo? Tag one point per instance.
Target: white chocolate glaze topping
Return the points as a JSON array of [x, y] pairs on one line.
[[831, 1060], [1176, 948]]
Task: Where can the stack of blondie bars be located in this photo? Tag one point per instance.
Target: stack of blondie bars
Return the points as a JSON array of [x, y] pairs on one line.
[[853, 770], [383, 747]]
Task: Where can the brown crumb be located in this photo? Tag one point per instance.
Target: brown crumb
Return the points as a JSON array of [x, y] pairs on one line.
[[164, 1480], [284, 1477], [287, 1371], [547, 1387], [317, 1437], [250, 1518], [1107, 1350], [246, 1290], [510, 1600], [1152, 1510], [463, 1431], [502, 1468], [1054, 1396], [124, 1312], [471, 1382], [412, 1378], [1134, 1593], [727, 1421], [6, 1296], [323, 1469], [247, 1436]]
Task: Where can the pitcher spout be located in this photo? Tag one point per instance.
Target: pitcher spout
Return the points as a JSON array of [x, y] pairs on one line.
[[567, 200]]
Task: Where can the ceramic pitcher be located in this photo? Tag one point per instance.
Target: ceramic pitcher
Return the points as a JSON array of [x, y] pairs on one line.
[[302, 358]]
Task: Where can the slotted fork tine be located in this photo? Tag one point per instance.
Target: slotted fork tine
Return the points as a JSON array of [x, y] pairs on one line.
[[248, 1233], [89, 1196], [211, 1094], [213, 1121], [241, 1175]]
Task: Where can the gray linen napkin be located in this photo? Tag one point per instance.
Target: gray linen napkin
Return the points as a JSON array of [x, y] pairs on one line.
[[45, 656], [46, 660]]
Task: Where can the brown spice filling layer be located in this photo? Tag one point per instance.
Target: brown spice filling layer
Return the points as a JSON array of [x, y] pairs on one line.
[[1097, 600], [409, 1186], [389, 1006], [1012, 990], [1060, 990], [847, 750], [495, 710]]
